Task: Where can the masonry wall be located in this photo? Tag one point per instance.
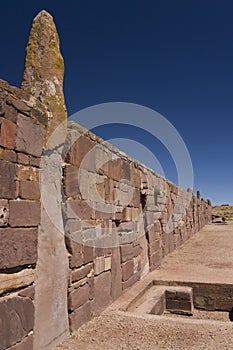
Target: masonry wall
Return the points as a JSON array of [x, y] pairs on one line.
[[116, 215], [118, 226], [22, 131]]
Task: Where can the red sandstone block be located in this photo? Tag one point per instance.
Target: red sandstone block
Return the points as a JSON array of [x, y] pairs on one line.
[[8, 186], [23, 159], [4, 212], [131, 281], [136, 199], [129, 251], [80, 316], [30, 136], [155, 259], [29, 190], [28, 292], [79, 150], [102, 292], [8, 155], [7, 133], [24, 213], [78, 297], [16, 319], [71, 177], [127, 270], [81, 209], [81, 273], [25, 344], [18, 247]]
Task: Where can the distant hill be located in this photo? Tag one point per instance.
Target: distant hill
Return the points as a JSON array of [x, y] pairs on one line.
[[223, 210]]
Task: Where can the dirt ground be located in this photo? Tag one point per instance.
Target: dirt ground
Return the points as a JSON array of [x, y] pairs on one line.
[[207, 257]]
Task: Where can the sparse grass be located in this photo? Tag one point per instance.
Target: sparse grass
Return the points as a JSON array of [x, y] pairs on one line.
[[223, 210]]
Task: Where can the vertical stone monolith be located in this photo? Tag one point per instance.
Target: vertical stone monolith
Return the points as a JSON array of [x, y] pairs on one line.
[[43, 78]]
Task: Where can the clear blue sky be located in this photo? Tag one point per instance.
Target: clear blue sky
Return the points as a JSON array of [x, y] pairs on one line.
[[175, 57]]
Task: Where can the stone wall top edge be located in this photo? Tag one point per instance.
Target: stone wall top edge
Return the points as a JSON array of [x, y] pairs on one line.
[[75, 126]]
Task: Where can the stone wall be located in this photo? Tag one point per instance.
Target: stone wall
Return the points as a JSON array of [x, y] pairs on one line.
[[80, 221], [22, 130], [117, 227]]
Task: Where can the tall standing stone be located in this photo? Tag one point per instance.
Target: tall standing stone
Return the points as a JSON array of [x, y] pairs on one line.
[[43, 78]]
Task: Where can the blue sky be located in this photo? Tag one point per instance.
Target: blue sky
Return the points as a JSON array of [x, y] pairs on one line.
[[175, 57]]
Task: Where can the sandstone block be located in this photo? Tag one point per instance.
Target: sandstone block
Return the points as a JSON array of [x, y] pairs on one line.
[[21, 321], [78, 297], [25, 344], [29, 190], [127, 270], [7, 133], [18, 247], [71, 185], [4, 212], [8, 186], [81, 273], [30, 136], [102, 292], [80, 316], [24, 213], [99, 265]]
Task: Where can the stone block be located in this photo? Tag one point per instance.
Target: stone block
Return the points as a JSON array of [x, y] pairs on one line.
[[28, 292], [80, 316], [8, 186], [99, 265], [30, 136], [79, 150], [108, 263], [25, 344], [116, 289], [29, 190], [81, 273], [8, 155], [7, 133], [131, 281], [78, 297], [14, 281], [127, 270], [71, 177], [27, 173], [155, 259], [129, 251], [18, 247], [23, 159], [24, 213], [4, 212], [21, 321], [102, 292], [81, 209]]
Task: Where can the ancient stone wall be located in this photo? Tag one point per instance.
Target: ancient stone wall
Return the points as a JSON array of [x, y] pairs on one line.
[[123, 220], [22, 131], [80, 221]]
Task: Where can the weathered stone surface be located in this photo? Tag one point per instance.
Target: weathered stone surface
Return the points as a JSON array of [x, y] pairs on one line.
[[116, 273], [99, 265], [24, 213], [127, 270], [8, 155], [129, 251], [25, 344], [18, 247], [7, 180], [30, 136], [81, 273], [27, 173], [80, 316], [102, 292], [23, 159], [44, 69], [78, 297], [71, 186], [29, 190], [4, 212], [21, 321], [9, 282], [7, 133], [28, 292]]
